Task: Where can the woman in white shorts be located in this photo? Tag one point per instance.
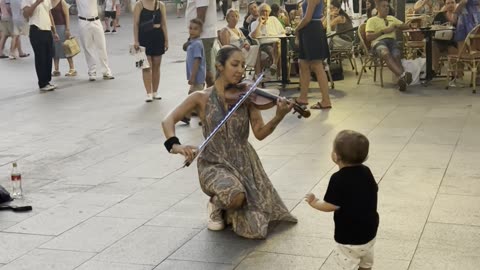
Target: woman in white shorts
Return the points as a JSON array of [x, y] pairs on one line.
[[19, 27]]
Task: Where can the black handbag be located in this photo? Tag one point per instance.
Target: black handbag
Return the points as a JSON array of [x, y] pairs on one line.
[[148, 25], [4, 195]]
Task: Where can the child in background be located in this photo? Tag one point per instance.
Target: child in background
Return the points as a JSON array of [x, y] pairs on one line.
[[352, 195], [110, 15], [196, 62], [179, 5]]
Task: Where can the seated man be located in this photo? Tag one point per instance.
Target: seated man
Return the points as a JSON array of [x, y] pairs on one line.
[[266, 28], [381, 33]]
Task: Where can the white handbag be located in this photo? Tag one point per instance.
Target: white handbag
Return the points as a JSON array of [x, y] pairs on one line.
[[443, 34]]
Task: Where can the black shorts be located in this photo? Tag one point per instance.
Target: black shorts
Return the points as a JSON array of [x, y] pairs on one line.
[[111, 14], [313, 44]]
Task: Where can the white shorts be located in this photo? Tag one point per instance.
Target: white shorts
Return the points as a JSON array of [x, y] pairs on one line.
[[350, 257]]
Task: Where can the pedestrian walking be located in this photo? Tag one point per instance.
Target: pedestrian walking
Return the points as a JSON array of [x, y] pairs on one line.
[[150, 31], [93, 39], [61, 19], [42, 34]]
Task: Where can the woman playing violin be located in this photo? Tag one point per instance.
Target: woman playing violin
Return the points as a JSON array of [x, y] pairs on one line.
[[229, 169]]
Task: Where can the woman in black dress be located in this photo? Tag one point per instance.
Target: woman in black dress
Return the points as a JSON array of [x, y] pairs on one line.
[[154, 39]]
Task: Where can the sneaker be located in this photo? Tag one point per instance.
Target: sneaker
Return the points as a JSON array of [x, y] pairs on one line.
[[404, 81], [92, 77], [149, 98], [114, 31], [108, 76], [156, 96], [215, 220], [408, 77], [107, 31], [47, 88], [53, 86], [56, 73]]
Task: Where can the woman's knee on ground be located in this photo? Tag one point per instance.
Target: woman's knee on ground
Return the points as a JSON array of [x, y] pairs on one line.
[[237, 201]]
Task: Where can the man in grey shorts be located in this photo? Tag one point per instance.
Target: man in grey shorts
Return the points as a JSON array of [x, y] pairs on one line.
[[381, 33]]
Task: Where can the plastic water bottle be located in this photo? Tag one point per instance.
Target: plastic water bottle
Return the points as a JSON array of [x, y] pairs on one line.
[[16, 176]]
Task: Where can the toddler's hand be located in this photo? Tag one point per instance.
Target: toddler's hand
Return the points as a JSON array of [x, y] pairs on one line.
[[310, 197]]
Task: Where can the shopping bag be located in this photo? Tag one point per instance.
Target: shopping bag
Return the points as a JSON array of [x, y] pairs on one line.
[[417, 67], [71, 47], [139, 57]]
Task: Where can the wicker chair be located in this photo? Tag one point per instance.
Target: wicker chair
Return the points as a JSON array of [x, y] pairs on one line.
[[370, 59], [468, 57]]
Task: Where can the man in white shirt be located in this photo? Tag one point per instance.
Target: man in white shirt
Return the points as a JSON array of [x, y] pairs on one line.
[[265, 28], [205, 10], [42, 34], [93, 39]]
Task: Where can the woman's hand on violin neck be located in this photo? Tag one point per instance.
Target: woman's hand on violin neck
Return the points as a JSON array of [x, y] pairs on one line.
[[188, 151], [283, 107]]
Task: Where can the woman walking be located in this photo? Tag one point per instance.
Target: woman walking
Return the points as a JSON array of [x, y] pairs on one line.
[[150, 31], [61, 18], [229, 169], [314, 51]]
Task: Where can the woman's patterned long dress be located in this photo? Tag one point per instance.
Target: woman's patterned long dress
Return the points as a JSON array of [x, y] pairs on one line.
[[229, 165]]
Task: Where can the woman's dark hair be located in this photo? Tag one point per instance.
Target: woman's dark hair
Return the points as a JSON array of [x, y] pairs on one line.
[[351, 147], [275, 9], [224, 54], [372, 6], [341, 12]]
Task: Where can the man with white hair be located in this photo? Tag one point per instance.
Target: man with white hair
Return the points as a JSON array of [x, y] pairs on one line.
[[266, 28], [93, 39]]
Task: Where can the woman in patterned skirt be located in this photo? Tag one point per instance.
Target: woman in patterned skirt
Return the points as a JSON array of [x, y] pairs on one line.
[[229, 169], [61, 18]]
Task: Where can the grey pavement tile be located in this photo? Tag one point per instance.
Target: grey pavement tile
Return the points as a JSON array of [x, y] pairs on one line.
[[147, 245], [395, 249], [298, 245], [180, 220], [461, 181], [267, 261], [122, 185], [451, 238], [96, 265], [56, 220], [6, 224], [176, 184], [143, 211], [448, 246], [214, 252], [89, 179], [423, 136], [440, 259], [94, 235], [413, 175], [49, 259], [456, 209], [14, 245], [189, 265]]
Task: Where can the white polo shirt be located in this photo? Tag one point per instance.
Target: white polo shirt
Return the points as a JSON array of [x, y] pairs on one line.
[[210, 23], [87, 8], [41, 14]]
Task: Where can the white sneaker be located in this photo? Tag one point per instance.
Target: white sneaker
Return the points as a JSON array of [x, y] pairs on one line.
[[53, 86], [149, 98], [156, 96], [107, 76], [47, 88], [215, 220], [92, 77]]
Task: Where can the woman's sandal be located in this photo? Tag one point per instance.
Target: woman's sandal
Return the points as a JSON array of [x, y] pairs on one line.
[[300, 103], [56, 73], [319, 106], [23, 55], [71, 73]]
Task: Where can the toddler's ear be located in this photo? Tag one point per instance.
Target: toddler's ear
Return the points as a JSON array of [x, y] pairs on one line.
[[334, 157]]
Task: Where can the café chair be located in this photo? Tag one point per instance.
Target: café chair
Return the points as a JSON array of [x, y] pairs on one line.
[[414, 42], [370, 59], [468, 57]]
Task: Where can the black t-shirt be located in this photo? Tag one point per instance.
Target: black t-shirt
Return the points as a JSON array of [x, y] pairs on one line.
[[354, 190]]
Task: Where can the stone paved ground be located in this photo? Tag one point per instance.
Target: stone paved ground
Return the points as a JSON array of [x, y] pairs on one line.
[[104, 195]]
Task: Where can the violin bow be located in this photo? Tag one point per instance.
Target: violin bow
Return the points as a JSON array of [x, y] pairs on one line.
[[225, 119]]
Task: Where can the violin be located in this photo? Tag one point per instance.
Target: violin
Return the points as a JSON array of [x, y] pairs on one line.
[[262, 99]]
